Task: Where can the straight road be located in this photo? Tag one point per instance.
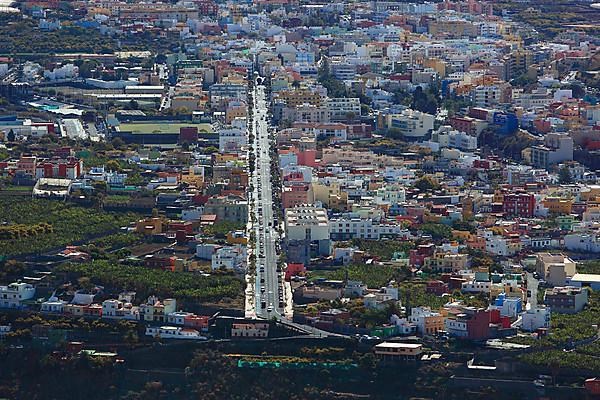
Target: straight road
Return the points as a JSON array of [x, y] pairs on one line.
[[269, 291]]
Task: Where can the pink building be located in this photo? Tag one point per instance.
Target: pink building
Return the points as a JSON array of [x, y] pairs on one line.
[[307, 157], [296, 193]]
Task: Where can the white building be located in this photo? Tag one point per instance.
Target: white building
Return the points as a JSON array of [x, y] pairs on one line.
[[398, 351], [99, 174], [411, 123], [13, 295], [348, 227], [487, 96], [456, 327], [232, 140], [405, 327], [535, 318], [53, 305], [173, 332], [4, 330], [230, 257], [500, 245], [475, 287], [421, 317], [343, 108], [178, 317], [445, 136], [192, 214], [586, 242], [306, 222], [343, 71], [117, 309], [67, 71], [557, 147], [391, 194]]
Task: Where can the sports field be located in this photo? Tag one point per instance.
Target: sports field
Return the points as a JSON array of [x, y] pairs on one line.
[[161, 127]]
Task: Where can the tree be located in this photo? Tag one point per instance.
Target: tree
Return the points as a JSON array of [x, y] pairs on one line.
[[334, 87], [424, 101], [113, 165], [134, 179], [11, 136], [437, 231], [87, 69], [210, 150], [117, 143], [564, 176], [427, 184]]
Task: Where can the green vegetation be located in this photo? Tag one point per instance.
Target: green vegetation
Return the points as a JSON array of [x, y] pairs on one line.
[[560, 359], [11, 188], [589, 267], [20, 231], [592, 349], [98, 159], [63, 224], [427, 183], [425, 101], [184, 286], [384, 249], [413, 294], [116, 240], [67, 323], [116, 199], [374, 276], [565, 327], [20, 36], [11, 270], [437, 231], [511, 146], [220, 229], [335, 87]]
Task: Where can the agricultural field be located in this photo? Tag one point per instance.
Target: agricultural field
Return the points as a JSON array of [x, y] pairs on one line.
[[36, 226], [186, 287]]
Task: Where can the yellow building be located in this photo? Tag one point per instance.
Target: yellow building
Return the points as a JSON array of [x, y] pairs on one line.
[[590, 193], [192, 178], [447, 262], [558, 205], [221, 158], [453, 28], [467, 207], [437, 65], [295, 98]]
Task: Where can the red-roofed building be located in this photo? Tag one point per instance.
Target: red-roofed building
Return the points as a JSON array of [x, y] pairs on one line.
[[294, 269]]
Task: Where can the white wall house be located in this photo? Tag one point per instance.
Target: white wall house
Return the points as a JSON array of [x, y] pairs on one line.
[[13, 295]]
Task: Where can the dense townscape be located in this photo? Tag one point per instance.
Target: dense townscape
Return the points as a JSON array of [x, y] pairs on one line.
[[270, 199]]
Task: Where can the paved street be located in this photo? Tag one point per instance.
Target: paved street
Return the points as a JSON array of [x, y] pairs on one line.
[[269, 290]]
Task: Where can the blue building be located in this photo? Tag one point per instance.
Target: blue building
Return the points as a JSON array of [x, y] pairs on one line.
[[507, 123]]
